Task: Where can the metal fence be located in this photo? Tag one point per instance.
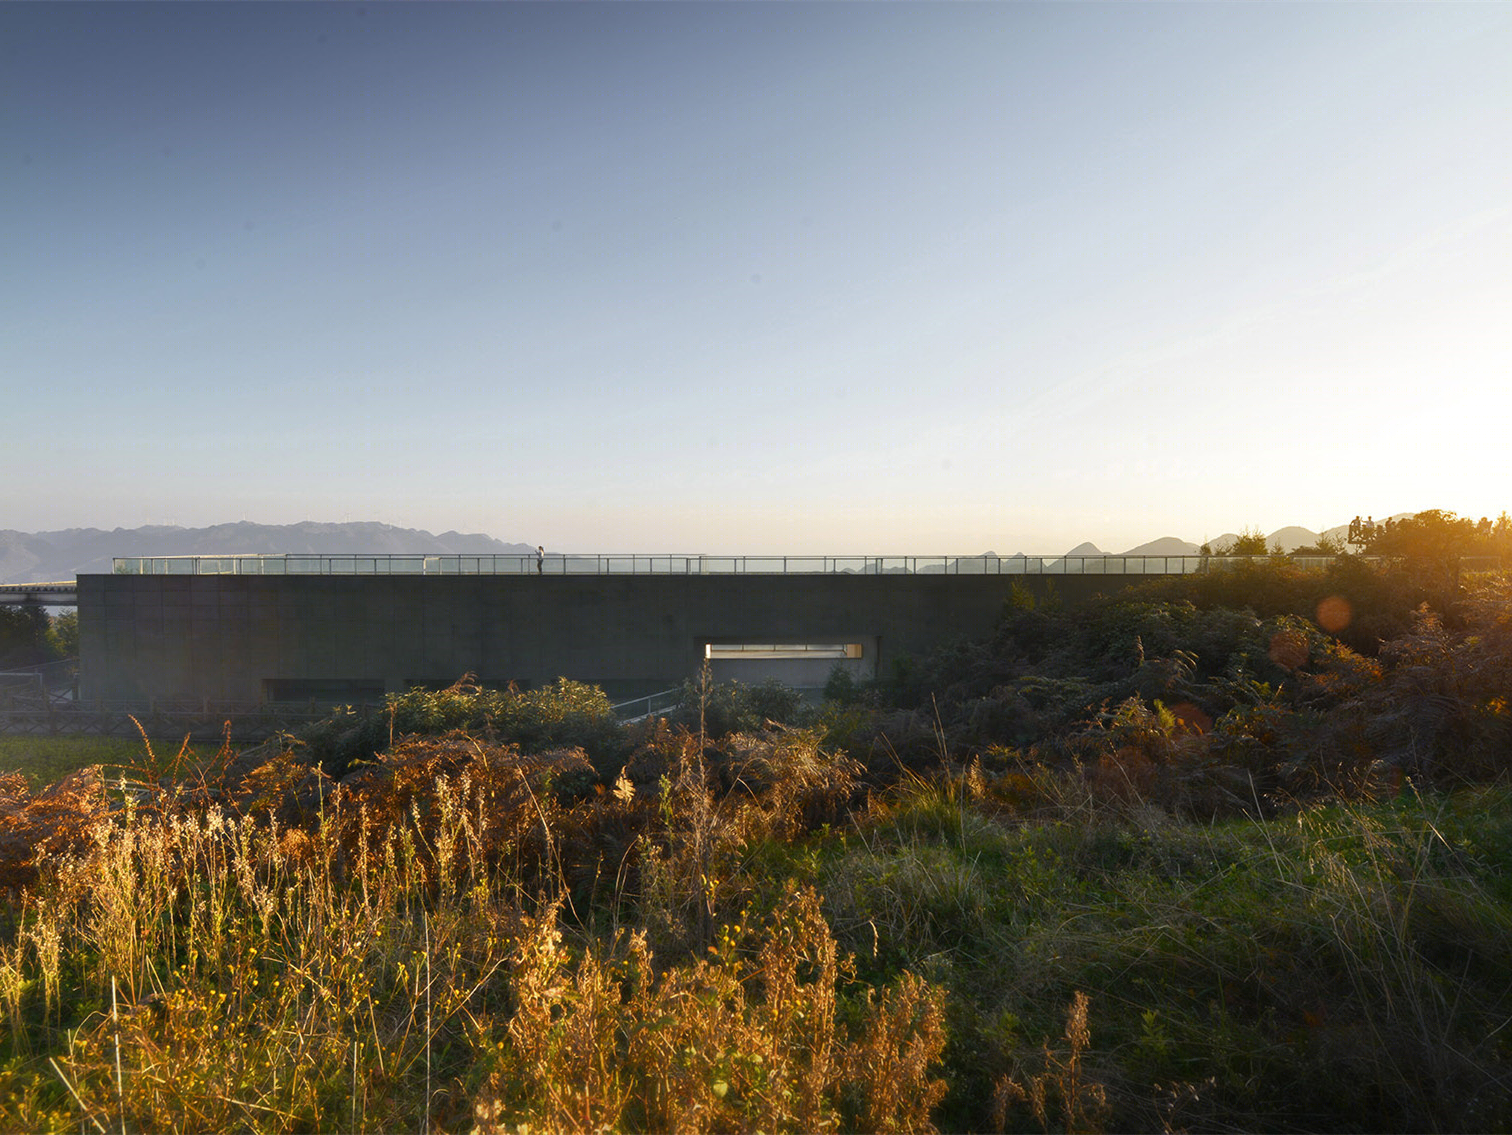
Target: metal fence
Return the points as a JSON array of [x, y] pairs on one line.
[[41, 686], [637, 708], [687, 565]]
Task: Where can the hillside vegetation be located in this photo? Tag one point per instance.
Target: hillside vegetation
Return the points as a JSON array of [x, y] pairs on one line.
[[1227, 852]]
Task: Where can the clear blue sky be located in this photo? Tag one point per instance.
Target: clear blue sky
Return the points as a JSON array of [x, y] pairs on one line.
[[729, 278]]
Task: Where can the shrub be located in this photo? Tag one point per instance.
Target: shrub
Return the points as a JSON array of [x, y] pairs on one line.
[[564, 714], [722, 708]]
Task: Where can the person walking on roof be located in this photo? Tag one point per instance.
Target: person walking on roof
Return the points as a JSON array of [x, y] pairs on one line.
[[540, 558]]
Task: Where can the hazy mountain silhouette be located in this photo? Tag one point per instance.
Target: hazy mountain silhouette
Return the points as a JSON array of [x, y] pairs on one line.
[[1294, 537], [1290, 537], [1165, 546], [26, 557], [1072, 561]]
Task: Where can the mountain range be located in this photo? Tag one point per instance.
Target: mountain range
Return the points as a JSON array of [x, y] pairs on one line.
[[29, 557], [1289, 539]]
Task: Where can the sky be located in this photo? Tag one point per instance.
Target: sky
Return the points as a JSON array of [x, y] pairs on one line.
[[792, 278]]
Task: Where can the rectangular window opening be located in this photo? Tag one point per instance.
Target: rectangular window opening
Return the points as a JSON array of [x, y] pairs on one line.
[[754, 650]]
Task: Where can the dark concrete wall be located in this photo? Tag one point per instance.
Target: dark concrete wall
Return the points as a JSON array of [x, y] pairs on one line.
[[223, 636]]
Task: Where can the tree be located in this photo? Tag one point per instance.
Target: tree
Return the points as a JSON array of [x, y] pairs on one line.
[[23, 636], [1430, 545], [63, 635], [1435, 536], [1501, 535], [1250, 542], [1326, 546]]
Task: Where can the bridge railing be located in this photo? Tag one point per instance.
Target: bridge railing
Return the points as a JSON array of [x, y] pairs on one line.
[[591, 564], [63, 593], [637, 708]]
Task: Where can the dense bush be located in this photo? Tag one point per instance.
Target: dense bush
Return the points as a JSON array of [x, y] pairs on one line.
[[722, 708], [1270, 698], [564, 714]]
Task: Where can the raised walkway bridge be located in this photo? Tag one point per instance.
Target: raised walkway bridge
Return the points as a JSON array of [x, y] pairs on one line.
[[63, 593], [598, 564]]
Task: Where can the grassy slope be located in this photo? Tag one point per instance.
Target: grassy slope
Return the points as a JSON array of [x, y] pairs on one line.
[[1346, 968], [46, 760], [1342, 968]]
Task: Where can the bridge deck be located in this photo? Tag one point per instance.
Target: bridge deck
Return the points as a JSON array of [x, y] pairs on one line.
[[63, 593], [594, 564]]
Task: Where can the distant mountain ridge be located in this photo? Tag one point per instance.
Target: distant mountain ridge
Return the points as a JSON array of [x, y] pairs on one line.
[[1289, 539], [28, 557], [1165, 546]]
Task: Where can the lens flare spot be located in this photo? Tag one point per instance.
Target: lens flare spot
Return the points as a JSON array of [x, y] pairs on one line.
[[1288, 649], [1334, 614], [1191, 717]]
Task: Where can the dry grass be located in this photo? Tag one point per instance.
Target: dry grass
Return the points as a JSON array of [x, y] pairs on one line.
[[264, 949], [742, 936], [1062, 1086], [746, 1039]]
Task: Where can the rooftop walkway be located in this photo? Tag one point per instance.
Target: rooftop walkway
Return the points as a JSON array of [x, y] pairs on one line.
[[683, 565]]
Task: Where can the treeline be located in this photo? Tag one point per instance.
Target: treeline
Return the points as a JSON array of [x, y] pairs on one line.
[[30, 637], [1291, 684]]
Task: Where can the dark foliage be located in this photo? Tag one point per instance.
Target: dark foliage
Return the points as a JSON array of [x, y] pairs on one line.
[[1255, 671], [23, 637], [563, 715], [722, 708]]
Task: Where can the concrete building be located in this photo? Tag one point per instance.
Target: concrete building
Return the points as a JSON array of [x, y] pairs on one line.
[[250, 637]]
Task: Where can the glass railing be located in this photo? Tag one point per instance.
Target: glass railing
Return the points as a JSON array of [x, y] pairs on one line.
[[589, 564]]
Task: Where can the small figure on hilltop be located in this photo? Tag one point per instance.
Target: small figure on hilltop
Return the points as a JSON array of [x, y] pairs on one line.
[[540, 558]]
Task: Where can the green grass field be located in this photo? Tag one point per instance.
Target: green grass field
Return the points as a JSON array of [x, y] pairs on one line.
[[46, 760]]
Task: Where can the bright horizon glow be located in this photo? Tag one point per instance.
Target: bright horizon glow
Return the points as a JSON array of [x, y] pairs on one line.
[[744, 279]]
